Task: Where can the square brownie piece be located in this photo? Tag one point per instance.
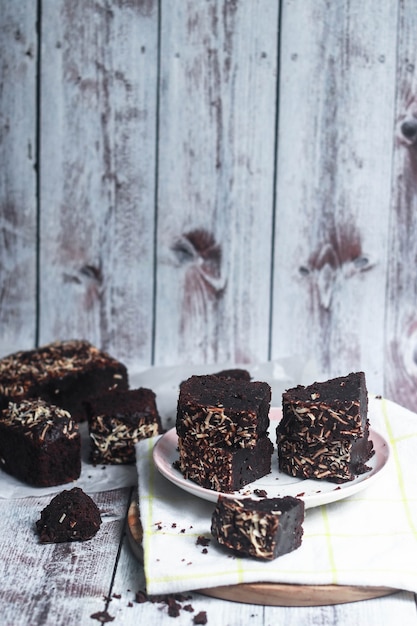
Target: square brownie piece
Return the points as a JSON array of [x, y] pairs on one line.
[[263, 529], [224, 469], [40, 443], [224, 412], [118, 420]]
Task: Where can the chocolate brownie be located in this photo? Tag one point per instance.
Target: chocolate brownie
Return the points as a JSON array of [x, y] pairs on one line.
[[236, 373], [264, 529], [223, 468], [324, 431], [70, 516], [222, 411], [117, 420], [39, 443], [65, 373]]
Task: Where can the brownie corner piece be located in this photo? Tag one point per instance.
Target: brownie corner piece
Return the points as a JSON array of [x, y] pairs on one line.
[[263, 529]]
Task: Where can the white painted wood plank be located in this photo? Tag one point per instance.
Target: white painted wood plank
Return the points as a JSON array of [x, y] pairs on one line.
[[99, 79], [215, 184], [334, 167], [56, 583], [401, 312], [18, 110]]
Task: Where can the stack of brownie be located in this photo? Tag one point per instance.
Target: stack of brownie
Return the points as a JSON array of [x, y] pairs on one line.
[[222, 425], [324, 431]]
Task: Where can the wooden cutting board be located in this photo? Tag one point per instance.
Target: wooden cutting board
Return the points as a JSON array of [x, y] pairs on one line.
[[270, 594]]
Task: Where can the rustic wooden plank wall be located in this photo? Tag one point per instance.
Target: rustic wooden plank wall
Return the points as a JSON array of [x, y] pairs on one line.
[[218, 181], [18, 185], [337, 98], [97, 163], [215, 185]]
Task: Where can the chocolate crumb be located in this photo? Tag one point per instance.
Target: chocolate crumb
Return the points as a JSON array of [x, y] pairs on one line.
[[189, 608], [102, 616], [173, 607], [261, 493], [200, 618], [117, 596], [204, 551], [141, 597], [202, 541]]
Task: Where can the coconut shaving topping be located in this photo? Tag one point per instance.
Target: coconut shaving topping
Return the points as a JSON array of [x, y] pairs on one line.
[[212, 425], [114, 441], [322, 462], [40, 420], [212, 469], [322, 420], [21, 370], [249, 531]]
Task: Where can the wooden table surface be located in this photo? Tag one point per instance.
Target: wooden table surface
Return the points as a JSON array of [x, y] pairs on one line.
[[98, 581]]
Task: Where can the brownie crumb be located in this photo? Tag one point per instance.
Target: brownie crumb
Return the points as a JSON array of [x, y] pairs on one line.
[[102, 616], [200, 618], [189, 608], [173, 607], [202, 541], [261, 493], [141, 597]]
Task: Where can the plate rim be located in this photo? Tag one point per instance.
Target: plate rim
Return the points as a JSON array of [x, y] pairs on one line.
[[338, 491]]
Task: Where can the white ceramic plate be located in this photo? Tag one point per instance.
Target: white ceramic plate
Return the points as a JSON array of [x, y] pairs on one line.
[[276, 484]]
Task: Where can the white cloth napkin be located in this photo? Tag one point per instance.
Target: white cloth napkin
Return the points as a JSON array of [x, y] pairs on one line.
[[368, 539]]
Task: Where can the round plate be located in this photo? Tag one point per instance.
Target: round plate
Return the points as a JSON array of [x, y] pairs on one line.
[[270, 594], [276, 484]]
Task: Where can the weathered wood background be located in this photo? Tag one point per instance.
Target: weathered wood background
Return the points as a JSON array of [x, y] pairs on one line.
[[212, 180]]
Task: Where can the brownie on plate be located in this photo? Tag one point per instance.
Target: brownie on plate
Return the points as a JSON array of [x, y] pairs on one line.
[[324, 431]]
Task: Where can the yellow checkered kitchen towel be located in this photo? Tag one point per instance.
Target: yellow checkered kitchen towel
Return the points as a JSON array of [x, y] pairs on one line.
[[368, 539]]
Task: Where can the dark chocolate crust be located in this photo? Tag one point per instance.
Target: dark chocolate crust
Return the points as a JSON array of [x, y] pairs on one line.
[[64, 373], [224, 469], [222, 411], [70, 516], [263, 529], [118, 420], [39, 443], [324, 431]]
